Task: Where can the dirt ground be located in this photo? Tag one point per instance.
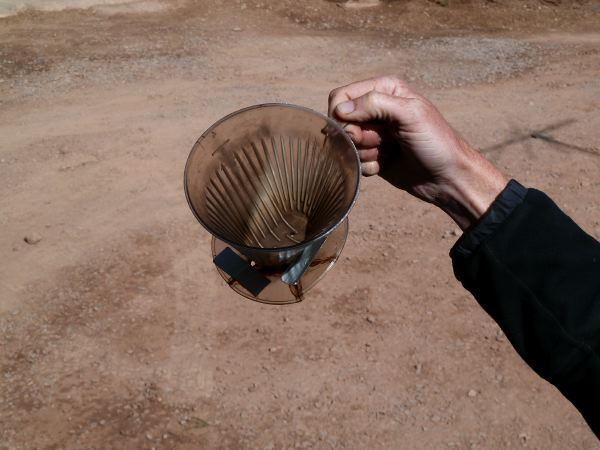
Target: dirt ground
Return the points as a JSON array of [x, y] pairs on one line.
[[116, 332]]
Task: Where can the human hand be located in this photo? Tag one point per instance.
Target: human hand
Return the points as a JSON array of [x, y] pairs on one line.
[[401, 136]]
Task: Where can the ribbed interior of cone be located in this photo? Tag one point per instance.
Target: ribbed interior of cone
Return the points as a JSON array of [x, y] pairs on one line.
[[272, 176], [277, 192]]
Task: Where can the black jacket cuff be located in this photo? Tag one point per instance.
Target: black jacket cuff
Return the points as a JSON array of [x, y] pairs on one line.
[[506, 202]]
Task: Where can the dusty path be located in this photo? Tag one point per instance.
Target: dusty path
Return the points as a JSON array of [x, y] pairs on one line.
[[115, 330]]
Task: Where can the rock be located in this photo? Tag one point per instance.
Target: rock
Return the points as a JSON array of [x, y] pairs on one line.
[[418, 368], [360, 4], [370, 319], [451, 233], [236, 29], [499, 336], [32, 238], [472, 393], [523, 437]]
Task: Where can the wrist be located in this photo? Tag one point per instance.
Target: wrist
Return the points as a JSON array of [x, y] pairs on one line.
[[471, 188]]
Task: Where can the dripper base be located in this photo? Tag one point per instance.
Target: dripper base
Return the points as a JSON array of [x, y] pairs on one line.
[[277, 292]]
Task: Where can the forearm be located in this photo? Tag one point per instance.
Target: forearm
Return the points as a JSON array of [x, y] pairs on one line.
[[474, 186], [538, 275]]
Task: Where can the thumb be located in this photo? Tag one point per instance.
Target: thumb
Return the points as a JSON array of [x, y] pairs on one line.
[[372, 106]]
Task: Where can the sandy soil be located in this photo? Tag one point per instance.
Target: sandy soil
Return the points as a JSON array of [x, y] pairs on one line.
[[117, 332]]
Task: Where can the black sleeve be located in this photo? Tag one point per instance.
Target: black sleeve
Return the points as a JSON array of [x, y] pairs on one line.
[[537, 274]]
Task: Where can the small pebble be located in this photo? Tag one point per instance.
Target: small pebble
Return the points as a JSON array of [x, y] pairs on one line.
[[451, 233], [32, 238]]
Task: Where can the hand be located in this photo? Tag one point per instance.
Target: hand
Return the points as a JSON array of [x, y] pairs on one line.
[[401, 136]]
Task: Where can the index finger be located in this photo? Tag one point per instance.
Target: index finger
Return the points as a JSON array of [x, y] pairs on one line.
[[386, 85]]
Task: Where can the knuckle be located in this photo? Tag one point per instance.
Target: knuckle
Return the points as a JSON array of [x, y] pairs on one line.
[[420, 108], [395, 82], [372, 98], [333, 94], [370, 104]]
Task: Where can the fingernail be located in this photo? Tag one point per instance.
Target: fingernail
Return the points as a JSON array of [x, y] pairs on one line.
[[345, 107]]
